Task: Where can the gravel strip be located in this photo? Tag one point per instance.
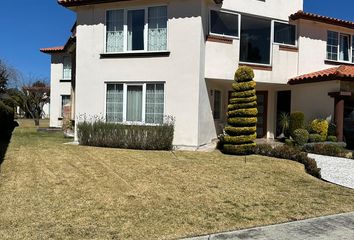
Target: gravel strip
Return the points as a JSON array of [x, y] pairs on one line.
[[336, 170]]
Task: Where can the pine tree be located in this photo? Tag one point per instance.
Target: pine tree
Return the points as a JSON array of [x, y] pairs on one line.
[[242, 115]]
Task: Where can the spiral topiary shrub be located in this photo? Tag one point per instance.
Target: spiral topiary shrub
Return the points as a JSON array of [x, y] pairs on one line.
[[242, 115], [296, 122], [320, 127]]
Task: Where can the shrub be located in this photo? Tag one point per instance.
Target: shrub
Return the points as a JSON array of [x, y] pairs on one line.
[[296, 121], [242, 115], [290, 153], [332, 139], [320, 127], [144, 137], [301, 136], [332, 129], [313, 138], [289, 142], [327, 149]]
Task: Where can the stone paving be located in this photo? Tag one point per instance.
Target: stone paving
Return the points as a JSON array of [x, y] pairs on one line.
[[336, 227]]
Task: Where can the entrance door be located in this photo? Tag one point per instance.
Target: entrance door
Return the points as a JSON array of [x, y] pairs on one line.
[[283, 106], [262, 101]]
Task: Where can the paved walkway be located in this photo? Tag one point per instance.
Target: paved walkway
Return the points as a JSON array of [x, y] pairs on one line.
[[336, 170], [336, 227]]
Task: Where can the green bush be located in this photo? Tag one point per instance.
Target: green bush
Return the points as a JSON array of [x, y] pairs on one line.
[[296, 122], [332, 139], [289, 142], [301, 136], [144, 137], [242, 115], [313, 138], [332, 129], [7, 123], [327, 149], [290, 153], [320, 127], [244, 74]]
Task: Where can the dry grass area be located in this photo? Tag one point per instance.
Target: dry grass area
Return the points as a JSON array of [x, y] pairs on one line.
[[54, 191]]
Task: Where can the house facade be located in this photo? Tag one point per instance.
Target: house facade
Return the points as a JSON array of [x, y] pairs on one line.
[[138, 61]]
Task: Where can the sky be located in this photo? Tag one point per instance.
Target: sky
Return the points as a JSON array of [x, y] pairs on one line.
[[28, 25]]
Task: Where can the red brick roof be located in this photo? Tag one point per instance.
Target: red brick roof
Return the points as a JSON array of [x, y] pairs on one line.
[[71, 3], [343, 72], [52, 49], [323, 19]]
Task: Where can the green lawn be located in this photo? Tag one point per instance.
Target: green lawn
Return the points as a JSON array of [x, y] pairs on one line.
[[54, 191]]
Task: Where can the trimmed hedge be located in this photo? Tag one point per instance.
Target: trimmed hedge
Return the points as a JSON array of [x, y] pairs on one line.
[[242, 115], [296, 121], [313, 138], [332, 139], [320, 127], [301, 136], [327, 149], [290, 153], [144, 137]]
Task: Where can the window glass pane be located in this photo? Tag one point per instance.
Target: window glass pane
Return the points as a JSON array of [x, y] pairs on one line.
[[332, 45], [255, 40], [65, 102], [224, 23], [114, 101], [136, 24], [217, 104], [115, 31], [134, 103], [67, 68], [157, 29], [344, 47], [284, 33], [154, 103]]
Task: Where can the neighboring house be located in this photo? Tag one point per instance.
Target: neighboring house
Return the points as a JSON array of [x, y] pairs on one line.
[[139, 60]]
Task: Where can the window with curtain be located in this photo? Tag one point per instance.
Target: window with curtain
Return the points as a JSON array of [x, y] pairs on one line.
[[114, 103], [157, 32], [224, 23], [154, 109], [67, 67], [344, 47], [115, 31], [217, 105], [255, 40], [133, 25], [135, 102], [284, 33], [332, 45], [65, 101]]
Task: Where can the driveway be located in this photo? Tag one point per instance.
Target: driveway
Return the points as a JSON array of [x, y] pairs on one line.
[[336, 170]]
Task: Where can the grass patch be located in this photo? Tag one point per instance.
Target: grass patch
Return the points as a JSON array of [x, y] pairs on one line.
[[51, 190]]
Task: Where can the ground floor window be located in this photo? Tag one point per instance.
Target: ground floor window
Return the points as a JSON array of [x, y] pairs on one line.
[[141, 102], [65, 101]]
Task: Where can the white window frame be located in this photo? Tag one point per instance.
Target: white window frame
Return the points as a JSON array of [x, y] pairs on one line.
[[351, 49], [61, 104], [125, 29], [125, 92], [271, 43], [283, 44], [229, 12], [71, 68]]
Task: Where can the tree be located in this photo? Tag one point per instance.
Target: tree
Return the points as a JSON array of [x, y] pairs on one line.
[[32, 98], [242, 115]]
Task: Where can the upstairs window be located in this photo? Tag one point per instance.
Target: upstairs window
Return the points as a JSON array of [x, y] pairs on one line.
[[136, 30], [224, 23], [284, 33], [340, 47], [67, 68], [255, 40]]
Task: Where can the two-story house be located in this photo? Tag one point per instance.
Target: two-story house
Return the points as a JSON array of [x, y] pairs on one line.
[[138, 60]]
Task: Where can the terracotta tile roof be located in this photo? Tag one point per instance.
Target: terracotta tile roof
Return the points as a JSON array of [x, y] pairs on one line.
[[71, 3], [323, 19], [343, 72], [52, 49]]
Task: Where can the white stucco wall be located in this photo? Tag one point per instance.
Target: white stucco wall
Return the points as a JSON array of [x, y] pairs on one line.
[[312, 99], [57, 89], [181, 71]]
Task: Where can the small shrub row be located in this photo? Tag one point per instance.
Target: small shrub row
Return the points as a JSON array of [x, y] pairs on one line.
[[327, 149], [144, 137], [290, 153]]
